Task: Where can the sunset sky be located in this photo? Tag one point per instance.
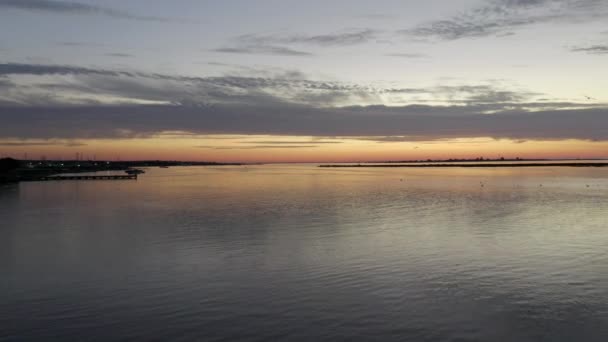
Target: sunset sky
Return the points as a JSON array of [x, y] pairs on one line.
[[304, 81]]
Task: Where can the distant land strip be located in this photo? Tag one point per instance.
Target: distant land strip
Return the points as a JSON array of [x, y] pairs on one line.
[[472, 165]]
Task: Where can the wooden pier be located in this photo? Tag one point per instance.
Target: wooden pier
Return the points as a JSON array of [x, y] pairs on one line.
[[88, 177]]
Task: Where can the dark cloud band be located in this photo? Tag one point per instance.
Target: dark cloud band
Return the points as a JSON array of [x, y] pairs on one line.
[[414, 122], [70, 7]]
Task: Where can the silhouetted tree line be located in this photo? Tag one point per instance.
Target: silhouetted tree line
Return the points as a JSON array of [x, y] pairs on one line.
[[8, 164]]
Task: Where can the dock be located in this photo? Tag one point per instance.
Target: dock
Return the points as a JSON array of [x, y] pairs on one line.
[[89, 177]]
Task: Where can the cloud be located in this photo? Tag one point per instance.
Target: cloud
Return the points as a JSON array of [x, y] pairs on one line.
[[257, 147], [118, 54], [492, 95], [70, 7], [484, 94], [523, 3], [71, 102], [74, 144], [76, 44], [74, 85], [291, 142], [408, 55], [501, 17], [406, 91], [24, 143], [416, 123], [593, 49], [396, 138], [41, 143], [350, 37], [260, 71], [5, 82], [275, 44], [7, 69], [44, 69], [263, 50], [129, 86], [377, 16]]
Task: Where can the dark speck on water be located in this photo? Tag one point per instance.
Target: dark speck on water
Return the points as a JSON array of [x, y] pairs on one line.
[[301, 253]]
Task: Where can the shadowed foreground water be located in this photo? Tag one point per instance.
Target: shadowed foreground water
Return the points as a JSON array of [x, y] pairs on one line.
[[299, 253]]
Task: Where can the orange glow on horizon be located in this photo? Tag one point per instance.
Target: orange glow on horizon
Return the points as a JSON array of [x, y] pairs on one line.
[[273, 149]]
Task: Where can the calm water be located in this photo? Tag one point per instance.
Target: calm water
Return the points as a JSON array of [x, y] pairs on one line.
[[298, 253]]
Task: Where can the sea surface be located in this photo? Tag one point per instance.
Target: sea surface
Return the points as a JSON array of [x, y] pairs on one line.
[[301, 253]]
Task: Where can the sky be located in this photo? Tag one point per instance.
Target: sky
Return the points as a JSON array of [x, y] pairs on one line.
[[303, 81]]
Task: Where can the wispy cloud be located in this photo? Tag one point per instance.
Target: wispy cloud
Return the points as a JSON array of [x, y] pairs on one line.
[[70, 7], [349, 37], [277, 44], [377, 16], [118, 54], [259, 71], [469, 94], [501, 17], [126, 86], [23, 143], [407, 55], [5, 82], [80, 85], [294, 142], [43, 69], [257, 147], [406, 90], [263, 50], [593, 49], [78, 44]]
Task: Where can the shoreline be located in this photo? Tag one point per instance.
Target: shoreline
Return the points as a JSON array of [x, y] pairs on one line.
[[36, 170], [484, 165]]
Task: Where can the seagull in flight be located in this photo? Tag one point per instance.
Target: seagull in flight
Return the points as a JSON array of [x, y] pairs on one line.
[[589, 97]]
